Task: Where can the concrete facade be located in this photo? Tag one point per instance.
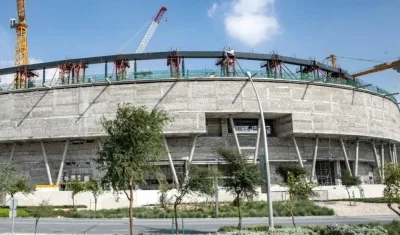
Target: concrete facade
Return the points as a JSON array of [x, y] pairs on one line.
[[201, 107]]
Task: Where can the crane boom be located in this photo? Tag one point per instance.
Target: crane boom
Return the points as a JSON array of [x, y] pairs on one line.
[[378, 68], [149, 34]]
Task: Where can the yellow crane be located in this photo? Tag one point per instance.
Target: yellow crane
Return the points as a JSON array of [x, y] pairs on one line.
[[377, 68], [21, 43]]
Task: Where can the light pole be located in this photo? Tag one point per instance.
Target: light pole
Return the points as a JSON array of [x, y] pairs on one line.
[[264, 132]]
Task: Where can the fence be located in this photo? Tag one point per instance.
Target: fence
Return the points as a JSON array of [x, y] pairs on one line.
[[204, 73]]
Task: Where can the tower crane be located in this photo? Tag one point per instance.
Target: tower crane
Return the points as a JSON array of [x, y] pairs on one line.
[[21, 43], [377, 68]]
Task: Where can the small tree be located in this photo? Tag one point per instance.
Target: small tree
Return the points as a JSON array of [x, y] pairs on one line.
[[95, 188], [242, 179], [12, 183], [40, 211], [391, 191], [76, 187], [349, 181], [163, 190], [299, 189], [199, 181], [133, 143], [295, 169]]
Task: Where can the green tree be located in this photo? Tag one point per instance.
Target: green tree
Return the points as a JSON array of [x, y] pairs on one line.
[[76, 187], [199, 181], [299, 189], [349, 181], [163, 190], [391, 191], [133, 143], [40, 211], [95, 188], [11, 182], [243, 178], [295, 169]]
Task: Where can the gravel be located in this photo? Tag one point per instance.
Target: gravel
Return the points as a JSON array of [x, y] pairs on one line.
[[360, 209]]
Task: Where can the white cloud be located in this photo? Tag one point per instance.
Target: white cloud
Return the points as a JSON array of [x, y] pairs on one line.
[[212, 10], [252, 22]]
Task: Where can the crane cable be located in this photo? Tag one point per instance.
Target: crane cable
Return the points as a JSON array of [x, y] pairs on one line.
[[134, 36]]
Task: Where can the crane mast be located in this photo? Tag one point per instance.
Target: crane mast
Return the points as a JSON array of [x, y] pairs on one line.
[[21, 42]]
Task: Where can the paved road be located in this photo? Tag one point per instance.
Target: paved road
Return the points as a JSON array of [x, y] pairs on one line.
[[192, 226]]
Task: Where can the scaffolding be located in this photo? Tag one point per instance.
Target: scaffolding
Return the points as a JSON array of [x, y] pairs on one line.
[[120, 69], [173, 61], [24, 78], [227, 63], [274, 67], [78, 72], [64, 73]]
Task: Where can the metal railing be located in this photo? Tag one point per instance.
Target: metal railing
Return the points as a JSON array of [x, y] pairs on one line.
[[205, 73]]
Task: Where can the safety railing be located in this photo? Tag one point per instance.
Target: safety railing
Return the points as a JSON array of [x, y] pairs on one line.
[[207, 73]]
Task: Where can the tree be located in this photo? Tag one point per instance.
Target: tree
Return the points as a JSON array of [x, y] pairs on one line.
[[349, 181], [12, 183], [95, 188], [132, 145], [40, 211], [242, 179], [299, 189], [76, 187], [295, 169], [391, 191], [199, 181], [163, 190]]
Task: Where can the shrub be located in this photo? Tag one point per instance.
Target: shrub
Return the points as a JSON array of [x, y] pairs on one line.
[[20, 213], [295, 169], [355, 230]]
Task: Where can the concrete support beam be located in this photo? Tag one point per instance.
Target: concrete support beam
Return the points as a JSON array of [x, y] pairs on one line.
[[383, 160], [395, 153], [171, 163], [313, 177], [192, 149], [357, 155], [259, 129], [12, 153], [235, 134], [377, 161], [298, 152], [62, 162], [391, 152], [46, 163], [346, 159]]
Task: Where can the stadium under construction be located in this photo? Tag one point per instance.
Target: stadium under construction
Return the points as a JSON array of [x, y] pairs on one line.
[[316, 115]]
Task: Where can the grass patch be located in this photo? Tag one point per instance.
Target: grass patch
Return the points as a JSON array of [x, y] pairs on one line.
[[249, 209]]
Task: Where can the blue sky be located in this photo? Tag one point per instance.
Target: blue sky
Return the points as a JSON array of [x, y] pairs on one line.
[[365, 29]]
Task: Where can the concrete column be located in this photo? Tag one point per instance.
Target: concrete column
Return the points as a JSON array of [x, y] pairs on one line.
[[390, 150], [46, 163], [346, 159], [62, 162], [313, 177], [338, 172], [192, 149], [377, 161], [171, 163], [235, 134], [298, 152], [12, 153], [383, 160], [357, 153], [395, 153], [259, 129]]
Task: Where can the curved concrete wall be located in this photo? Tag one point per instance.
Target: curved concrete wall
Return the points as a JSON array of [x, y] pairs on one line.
[[314, 108]]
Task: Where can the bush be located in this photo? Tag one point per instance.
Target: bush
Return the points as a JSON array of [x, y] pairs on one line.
[[295, 169], [20, 213], [355, 230], [393, 228]]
